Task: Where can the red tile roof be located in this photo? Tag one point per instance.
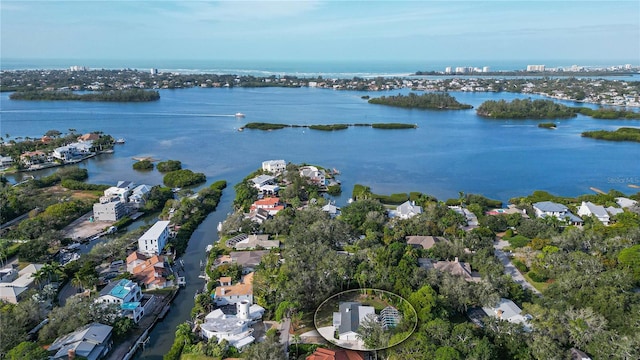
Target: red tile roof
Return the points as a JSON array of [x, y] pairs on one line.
[[342, 354]]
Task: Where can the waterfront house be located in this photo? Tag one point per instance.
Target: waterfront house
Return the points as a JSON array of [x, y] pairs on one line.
[[151, 272], [274, 166], [152, 242], [249, 260], [139, 195], [588, 208], [272, 205], [108, 211], [470, 217], [548, 208], [255, 241], [406, 210], [121, 191], [33, 157], [262, 180], [125, 293], [88, 138], [624, 202], [5, 162], [313, 175], [424, 242], [91, 342], [259, 215], [349, 317], [233, 294], [234, 328]]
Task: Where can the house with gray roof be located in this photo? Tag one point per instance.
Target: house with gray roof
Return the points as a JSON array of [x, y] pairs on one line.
[[348, 319], [407, 210], [507, 310], [560, 211], [91, 342], [588, 208], [625, 202]]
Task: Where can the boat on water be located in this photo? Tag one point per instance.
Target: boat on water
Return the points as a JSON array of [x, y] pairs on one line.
[[239, 115], [120, 141]]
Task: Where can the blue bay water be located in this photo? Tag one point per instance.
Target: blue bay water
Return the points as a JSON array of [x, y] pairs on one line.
[[450, 151]]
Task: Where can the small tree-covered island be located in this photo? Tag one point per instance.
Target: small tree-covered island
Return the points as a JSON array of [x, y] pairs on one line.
[[436, 101], [546, 277], [126, 95], [546, 109], [524, 109], [621, 134]]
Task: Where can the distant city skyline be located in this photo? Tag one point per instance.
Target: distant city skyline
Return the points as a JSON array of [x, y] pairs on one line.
[[599, 31]]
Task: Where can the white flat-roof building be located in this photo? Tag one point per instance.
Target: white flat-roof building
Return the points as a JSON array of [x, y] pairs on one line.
[[153, 241], [110, 211]]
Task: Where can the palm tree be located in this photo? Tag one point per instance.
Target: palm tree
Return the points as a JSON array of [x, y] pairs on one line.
[[296, 340], [77, 282], [39, 276]]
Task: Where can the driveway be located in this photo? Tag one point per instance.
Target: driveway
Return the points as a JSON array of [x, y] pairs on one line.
[[509, 268]]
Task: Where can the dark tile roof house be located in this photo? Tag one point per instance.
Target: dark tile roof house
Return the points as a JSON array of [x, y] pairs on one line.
[[426, 242], [91, 341]]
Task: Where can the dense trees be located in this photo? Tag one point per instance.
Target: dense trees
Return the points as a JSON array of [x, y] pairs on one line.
[[524, 109], [180, 178], [143, 165], [439, 101], [621, 134], [129, 95], [169, 165]]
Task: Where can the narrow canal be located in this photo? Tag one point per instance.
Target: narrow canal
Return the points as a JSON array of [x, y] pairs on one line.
[[162, 336]]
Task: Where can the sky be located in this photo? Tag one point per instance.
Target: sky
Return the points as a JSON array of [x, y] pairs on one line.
[[597, 31]]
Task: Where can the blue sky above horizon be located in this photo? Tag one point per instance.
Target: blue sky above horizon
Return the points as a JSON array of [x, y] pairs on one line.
[[322, 30]]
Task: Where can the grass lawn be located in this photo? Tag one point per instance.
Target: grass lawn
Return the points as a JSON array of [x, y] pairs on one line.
[[541, 286], [195, 357]]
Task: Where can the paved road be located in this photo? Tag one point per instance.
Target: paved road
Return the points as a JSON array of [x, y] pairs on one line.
[[509, 268]]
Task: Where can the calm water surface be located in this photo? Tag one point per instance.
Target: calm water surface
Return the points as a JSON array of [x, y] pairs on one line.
[[450, 151]]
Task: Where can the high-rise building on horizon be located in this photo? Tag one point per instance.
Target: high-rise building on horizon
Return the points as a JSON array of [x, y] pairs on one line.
[[535, 67]]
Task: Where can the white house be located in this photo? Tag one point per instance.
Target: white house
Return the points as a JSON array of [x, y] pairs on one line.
[[139, 195], [274, 166], [5, 162], [347, 321], [232, 294], [588, 208], [233, 328], [625, 202], [507, 310], [313, 174], [153, 240], [262, 180], [407, 210], [548, 208], [125, 293], [64, 153], [109, 211]]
